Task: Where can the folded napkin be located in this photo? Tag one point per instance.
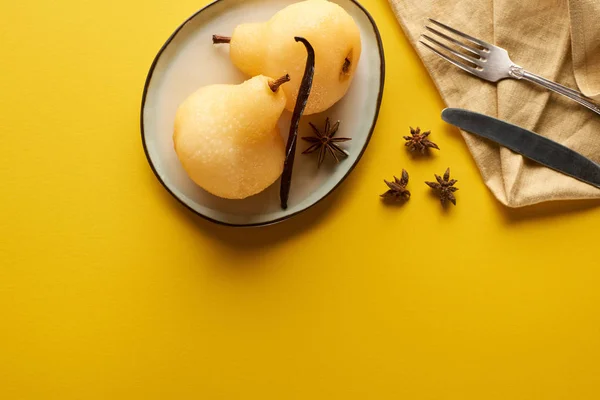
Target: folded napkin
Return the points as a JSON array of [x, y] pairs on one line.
[[557, 39]]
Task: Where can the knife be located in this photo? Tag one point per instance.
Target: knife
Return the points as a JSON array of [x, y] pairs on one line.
[[529, 144]]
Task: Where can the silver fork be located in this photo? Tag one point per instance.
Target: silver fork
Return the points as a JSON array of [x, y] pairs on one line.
[[489, 62]]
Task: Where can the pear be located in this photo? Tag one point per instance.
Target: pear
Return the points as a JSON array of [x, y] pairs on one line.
[[226, 136], [269, 48]]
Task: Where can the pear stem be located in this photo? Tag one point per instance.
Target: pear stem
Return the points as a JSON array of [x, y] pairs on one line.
[[221, 39], [274, 85]]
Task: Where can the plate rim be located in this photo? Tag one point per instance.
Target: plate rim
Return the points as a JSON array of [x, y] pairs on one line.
[[285, 217]]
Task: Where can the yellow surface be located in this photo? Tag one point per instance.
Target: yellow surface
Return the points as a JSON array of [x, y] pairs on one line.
[[109, 289]]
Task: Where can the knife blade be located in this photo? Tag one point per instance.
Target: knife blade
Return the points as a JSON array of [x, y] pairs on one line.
[[529, 144]]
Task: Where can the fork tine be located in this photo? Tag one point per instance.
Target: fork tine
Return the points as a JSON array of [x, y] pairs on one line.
[[464, 35], [451, 50], [456, 42], [466, 68]]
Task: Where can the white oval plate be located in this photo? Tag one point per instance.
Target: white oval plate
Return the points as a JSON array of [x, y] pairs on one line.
[[189, 60]]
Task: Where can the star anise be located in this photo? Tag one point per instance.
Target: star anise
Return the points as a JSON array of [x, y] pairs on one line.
[[325, 142], [397, 189], [418, 141], [445, 188]]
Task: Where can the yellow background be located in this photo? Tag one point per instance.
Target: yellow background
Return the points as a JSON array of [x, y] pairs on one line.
[[109, 289]]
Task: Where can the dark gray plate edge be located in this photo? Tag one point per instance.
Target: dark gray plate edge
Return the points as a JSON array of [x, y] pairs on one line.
[[275, 221]]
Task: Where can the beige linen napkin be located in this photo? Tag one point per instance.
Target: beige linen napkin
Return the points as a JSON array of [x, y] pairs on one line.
[[557, 39]]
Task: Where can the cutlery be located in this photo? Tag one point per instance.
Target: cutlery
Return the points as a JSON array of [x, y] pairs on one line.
[[531, 145], [489, 62]]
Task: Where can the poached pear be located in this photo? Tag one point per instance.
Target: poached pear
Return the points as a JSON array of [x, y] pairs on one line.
[[269, 48], [226, 136]]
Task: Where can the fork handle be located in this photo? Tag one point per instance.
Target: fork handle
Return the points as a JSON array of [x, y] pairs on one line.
[[558, 88]]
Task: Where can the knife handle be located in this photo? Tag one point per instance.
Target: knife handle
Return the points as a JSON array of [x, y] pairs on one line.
[[563, 90]]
